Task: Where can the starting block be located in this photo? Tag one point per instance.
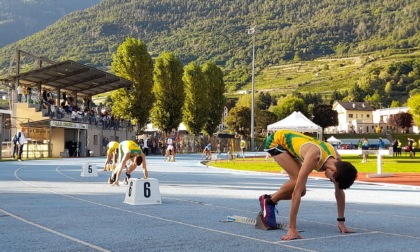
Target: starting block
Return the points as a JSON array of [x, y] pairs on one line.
[[89, 170], [256, 222], [143, 192]]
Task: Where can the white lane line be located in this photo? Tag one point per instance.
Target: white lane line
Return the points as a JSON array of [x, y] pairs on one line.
[[331, 236], [90, 245], [152, 217], [65, 175]]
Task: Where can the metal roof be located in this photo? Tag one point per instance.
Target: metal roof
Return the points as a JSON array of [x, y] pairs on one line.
[[72, 76]]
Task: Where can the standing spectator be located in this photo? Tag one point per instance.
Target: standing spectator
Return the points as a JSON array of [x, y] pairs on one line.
[[25, 93], [381, 144], [29, 89], [19, 139], [243, 146], [411, 147], [64, 97], [19, 93], [395, 148], [365, 148], [44, 95], [146, 146]]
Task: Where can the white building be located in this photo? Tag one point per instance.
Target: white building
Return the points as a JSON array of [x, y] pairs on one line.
[[360, 117]]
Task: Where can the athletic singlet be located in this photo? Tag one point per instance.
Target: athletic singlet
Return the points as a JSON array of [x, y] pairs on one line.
[[128, 146], [112, 146], [292, 142]]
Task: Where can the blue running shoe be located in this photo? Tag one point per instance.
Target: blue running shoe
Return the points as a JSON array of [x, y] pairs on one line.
[[268, 212]]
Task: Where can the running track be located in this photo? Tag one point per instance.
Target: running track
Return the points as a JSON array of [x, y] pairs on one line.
[[45, 205]]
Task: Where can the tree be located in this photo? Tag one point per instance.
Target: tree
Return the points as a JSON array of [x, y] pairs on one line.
[[265, 99], [133, 62], [356, 94], [216, 88], [401, 120], [325, 116], [395, 104], [196, 100], [413, 104], [169, 91], [239, 120], [288, 105], [263, 119], [374, 100]]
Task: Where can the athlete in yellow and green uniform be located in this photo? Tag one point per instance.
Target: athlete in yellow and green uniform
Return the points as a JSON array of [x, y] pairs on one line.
[[292, 142], [111, 154], [299, 155], [128, 150]]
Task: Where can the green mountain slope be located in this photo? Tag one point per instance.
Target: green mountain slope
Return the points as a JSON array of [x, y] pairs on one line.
[[216, 30], [21, 18]]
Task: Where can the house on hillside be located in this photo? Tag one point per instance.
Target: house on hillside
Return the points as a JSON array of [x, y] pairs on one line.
[[353, 117], [382, 117], [360, 117]]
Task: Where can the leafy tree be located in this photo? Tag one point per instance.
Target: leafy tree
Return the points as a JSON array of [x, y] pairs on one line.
[[216, 88], [414, 107], [356, 94], [374, 100], [263, 119], [288, 105], [169, 91], [338, 96], [196, 99], [401, 120], [325, 116], [265, 99], [119, 104], [239, 120], [133, 62], [395, 104]]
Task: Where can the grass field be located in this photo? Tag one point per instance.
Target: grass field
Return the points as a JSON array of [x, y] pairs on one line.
[[389, 164]]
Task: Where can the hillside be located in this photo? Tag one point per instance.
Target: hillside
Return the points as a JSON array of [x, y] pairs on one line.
[[195, 30], [21, 18]]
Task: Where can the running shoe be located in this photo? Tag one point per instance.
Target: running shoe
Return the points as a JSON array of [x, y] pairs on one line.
[[268, 212], [112, 178]]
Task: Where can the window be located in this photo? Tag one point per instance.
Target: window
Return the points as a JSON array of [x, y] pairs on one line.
[[95, 139], [367, 116], [350, 115]]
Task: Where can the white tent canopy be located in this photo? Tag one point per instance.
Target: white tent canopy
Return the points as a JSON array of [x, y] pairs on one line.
[[332, 139], [297, 122]]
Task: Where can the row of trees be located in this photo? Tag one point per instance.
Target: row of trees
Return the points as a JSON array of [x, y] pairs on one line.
[[167, 92], [269, 109]]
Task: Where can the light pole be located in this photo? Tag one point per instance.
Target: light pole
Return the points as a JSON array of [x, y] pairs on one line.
[[252, 32]]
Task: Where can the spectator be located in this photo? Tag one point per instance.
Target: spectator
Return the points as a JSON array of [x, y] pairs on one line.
[[365, 148], [19, 93], [411, 147]]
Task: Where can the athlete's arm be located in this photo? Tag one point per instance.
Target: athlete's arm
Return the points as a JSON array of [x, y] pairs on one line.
[[143, 164], [311, 159], [123, 163], [340, 197]]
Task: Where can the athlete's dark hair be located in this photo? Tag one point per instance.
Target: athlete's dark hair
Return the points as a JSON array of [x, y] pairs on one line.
[[138, 160], [345, 174]]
